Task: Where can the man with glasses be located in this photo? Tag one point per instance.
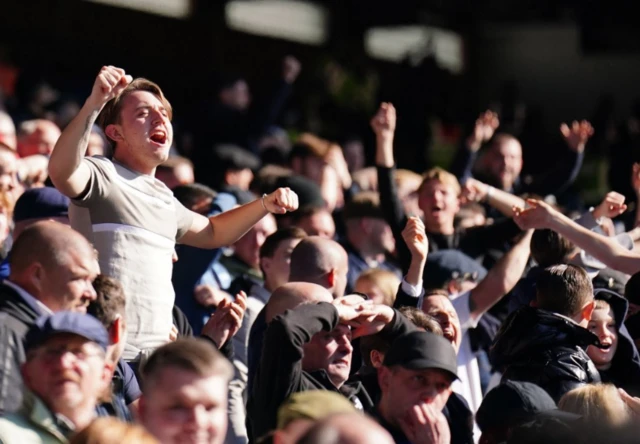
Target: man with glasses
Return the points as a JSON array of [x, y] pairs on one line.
[[64, 375]]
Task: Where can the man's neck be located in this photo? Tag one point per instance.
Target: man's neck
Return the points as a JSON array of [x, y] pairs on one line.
[[134, 166], [443, 228]]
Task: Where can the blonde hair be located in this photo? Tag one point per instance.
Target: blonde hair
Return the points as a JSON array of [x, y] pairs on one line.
[[403, 176], [596, 403], [385, 280], [113, 431], [442, 176]]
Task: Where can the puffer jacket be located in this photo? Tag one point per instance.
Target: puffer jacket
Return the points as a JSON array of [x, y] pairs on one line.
[[546, 349]]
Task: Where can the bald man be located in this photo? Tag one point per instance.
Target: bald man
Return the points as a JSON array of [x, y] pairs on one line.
[[320, 261], [52, 268], [346, 429], [307, 346]]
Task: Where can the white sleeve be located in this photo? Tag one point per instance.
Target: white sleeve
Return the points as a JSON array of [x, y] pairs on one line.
[[461, 305]]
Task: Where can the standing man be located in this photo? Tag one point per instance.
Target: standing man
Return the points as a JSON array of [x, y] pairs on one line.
[[132, 218]]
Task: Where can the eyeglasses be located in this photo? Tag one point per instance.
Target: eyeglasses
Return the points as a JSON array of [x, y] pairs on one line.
[[79, 354]]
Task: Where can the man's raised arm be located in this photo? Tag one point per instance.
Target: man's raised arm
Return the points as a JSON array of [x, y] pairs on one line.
[[66, 169]]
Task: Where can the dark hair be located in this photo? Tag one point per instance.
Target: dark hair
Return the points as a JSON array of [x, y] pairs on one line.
[[188, 354], [110, 114], [189, 195], [550, 248], [563, 289], [272, 242], [306, 211], [110, 301], [173, 162]]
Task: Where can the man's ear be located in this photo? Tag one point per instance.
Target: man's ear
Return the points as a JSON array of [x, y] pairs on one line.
[[332, 278], [384, 378], [115, 330], [452, 287], [113, 132], [587, 310], [377, 358], [265, 264]]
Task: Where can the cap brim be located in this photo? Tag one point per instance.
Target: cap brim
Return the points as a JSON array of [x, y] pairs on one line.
[[425, 364]]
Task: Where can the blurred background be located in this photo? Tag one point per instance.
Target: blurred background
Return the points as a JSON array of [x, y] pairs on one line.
[[536, 62]]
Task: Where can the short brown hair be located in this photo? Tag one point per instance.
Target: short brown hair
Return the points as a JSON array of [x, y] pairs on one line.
[[442, 176], [550, 248], [422, 320], [189, 354], [110, 301], [564, 289], [110, 114]]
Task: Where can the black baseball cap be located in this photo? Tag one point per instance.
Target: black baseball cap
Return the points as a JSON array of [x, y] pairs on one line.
[[420, 350], [514, 402], [79, 324], [444, 265]]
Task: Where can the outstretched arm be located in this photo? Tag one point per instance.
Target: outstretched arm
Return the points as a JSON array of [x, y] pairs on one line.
[[67, 172], [477, 191], [465, 159], [603, 248]]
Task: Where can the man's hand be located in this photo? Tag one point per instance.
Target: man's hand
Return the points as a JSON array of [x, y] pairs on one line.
[[208, 296], [424, 424], [612, 206], [577, 135], [352, 309], [474, 190], [631, 402], [538, 215], [226, 321], [281, 201], [483, 130], [335, 158], [384, 122], [415, 237], [377, 318], [109, 83], [290, 69]]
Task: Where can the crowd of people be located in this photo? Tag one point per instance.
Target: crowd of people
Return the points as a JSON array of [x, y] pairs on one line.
[[257, 288]]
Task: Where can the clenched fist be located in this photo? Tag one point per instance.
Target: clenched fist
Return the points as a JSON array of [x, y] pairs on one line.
[[384, 122], [281, 201], [109, 83]]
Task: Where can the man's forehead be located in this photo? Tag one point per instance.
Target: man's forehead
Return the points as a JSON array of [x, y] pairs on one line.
[[136, 99]]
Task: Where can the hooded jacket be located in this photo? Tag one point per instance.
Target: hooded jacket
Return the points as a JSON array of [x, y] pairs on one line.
[[625, 366], [546, 349]]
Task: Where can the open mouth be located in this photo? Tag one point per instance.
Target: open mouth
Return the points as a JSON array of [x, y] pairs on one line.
[[448, 335], [605, 347], [159, 137]]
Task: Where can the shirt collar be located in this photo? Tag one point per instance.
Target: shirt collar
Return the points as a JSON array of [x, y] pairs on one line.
[[32, 301]]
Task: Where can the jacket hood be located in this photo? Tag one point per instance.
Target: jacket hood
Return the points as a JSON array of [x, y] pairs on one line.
[[618, 304], [533, 329]]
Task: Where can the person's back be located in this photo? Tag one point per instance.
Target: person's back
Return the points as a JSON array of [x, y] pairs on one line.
[[546, 345]]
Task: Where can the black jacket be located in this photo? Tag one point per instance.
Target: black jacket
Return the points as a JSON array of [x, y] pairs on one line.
[[280, 372], [546, 349], [16, 317]]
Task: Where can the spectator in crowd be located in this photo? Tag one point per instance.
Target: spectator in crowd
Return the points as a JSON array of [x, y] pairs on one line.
[[37, 136], [380, 285], [275, 257], [353, 428], [184, 396], [109, 207], [109, 309], [545, 345], [616, 356], [302, 410], [308, 348], [175, 171], [415, 382], [8, 131], [231, 166], [113, 431], [52, 268], [315, 221], [511, 404], [65, 373], [369, 240]]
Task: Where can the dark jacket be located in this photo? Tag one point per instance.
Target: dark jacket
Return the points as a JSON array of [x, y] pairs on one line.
[[546, 349], [16, 317], [625, 366], [280, 372]]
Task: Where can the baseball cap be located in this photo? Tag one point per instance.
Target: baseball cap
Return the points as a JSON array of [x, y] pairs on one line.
[[79, 324], [421, 350], [314, 405], [41, 203], [515, 402], [445, 265]]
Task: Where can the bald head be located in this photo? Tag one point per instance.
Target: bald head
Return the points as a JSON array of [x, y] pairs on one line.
[[320, 261], [353, 428], [293, 294]]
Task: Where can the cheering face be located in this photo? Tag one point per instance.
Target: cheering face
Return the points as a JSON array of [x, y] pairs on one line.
[[440, 307], [603, 325], [144, 133], [439, 204], [181, 407], [504, 162], [330, 351]]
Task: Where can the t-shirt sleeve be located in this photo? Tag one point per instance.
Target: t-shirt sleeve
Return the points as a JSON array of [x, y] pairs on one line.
[[461, 305], [184, 217], [100, 179], [130, 384]]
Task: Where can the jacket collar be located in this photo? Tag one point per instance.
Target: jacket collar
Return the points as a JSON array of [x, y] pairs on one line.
[[38, 414]]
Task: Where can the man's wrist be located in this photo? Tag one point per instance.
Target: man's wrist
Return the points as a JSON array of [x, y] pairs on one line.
[[489, 193]]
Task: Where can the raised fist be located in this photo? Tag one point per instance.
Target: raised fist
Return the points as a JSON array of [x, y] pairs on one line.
[[384, 122], [109, 83]]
